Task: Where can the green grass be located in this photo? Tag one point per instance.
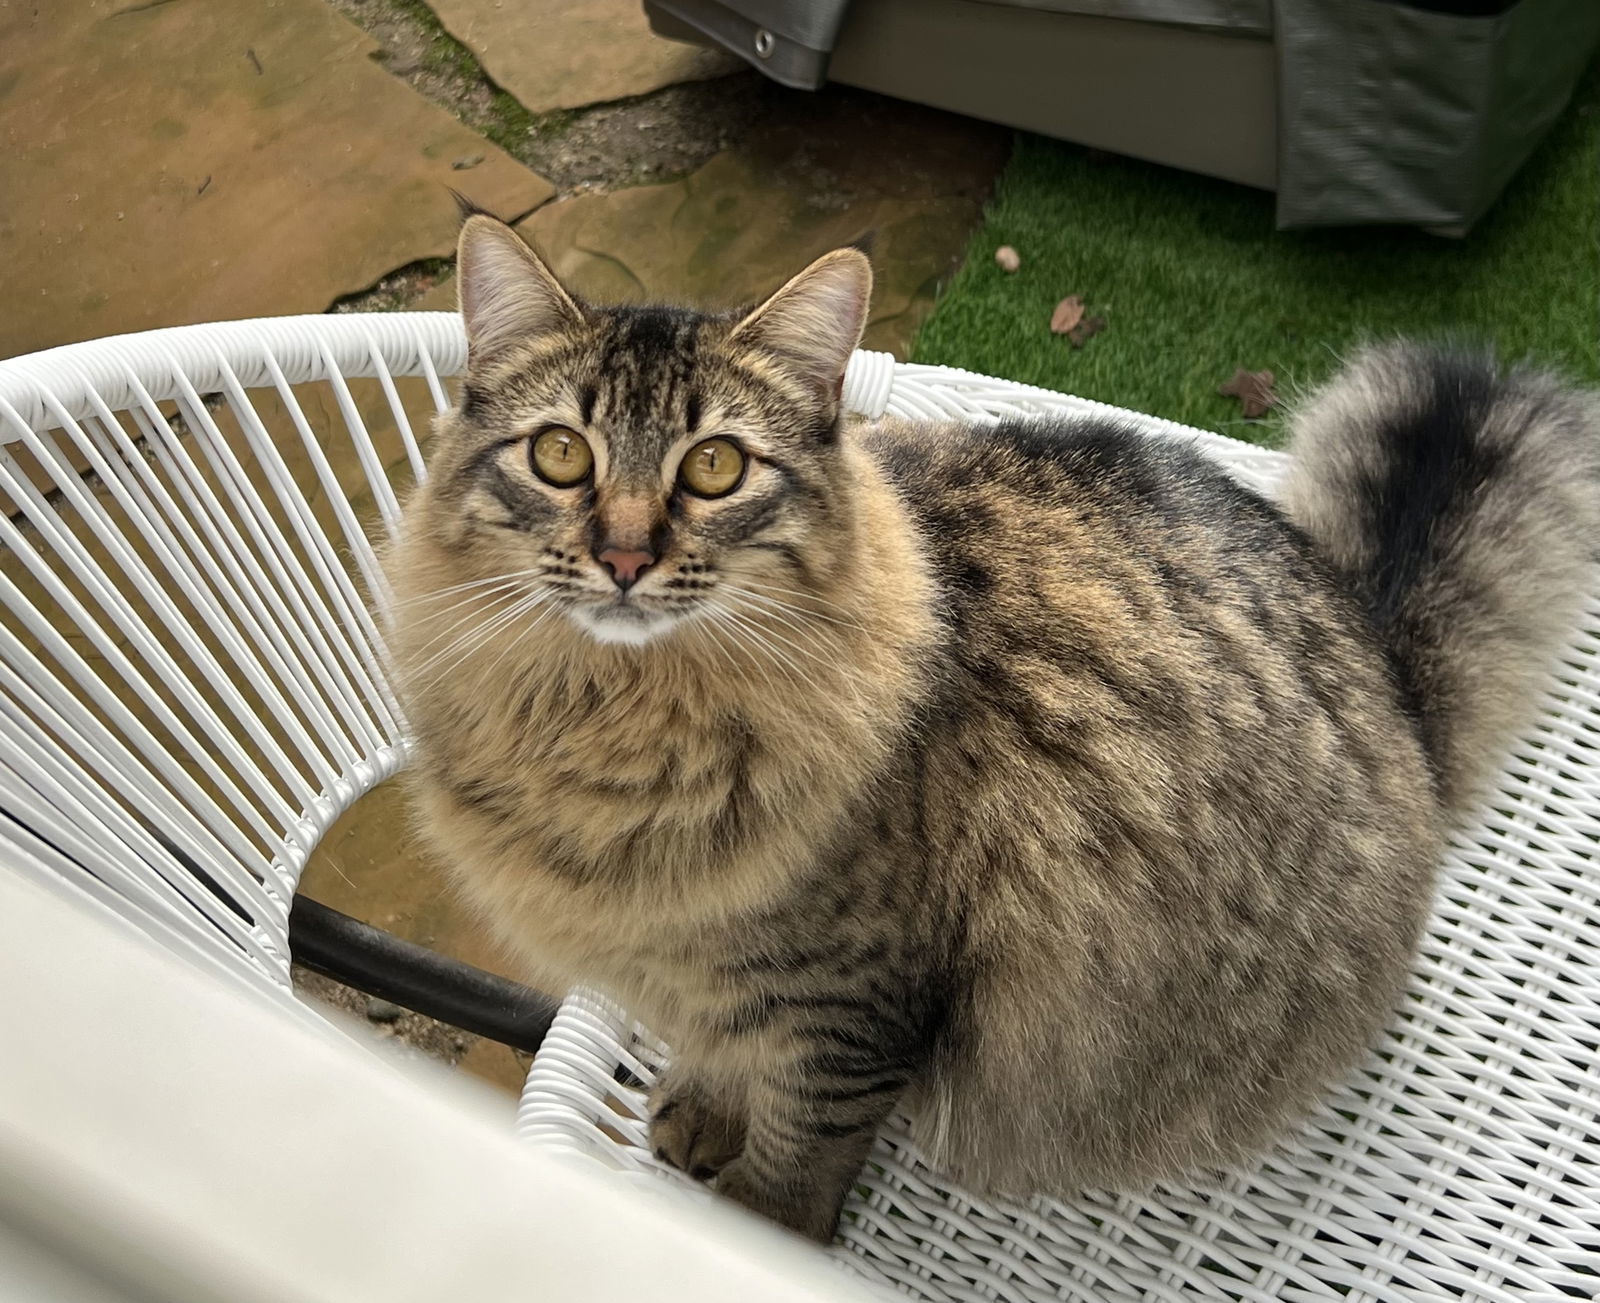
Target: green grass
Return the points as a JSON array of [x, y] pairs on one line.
[[506, 122], [1194, 282]]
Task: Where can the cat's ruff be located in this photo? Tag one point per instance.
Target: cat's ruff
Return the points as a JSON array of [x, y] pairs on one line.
[[1464, 1162]]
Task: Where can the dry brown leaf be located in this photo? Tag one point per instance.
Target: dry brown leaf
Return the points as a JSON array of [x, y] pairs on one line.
[[1068, 313], [1086, 330], [1007, 257], [1254, 391]]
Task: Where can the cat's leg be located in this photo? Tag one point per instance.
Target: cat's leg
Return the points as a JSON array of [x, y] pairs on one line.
[[807, 1141], [696, 1127]]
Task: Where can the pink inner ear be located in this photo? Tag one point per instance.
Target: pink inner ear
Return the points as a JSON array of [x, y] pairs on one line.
[[815, 319]]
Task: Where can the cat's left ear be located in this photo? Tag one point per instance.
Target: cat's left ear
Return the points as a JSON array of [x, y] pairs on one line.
[[814, 323], [507, 295]]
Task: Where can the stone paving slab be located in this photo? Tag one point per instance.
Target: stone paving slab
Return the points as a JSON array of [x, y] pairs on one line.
[[564, 54], [192, 160], [736, 228]]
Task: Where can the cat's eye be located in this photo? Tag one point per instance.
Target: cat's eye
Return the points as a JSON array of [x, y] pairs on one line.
[[561, 457], [712, 468]]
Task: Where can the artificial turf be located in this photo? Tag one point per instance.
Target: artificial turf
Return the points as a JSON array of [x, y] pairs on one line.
[[1195, 283]]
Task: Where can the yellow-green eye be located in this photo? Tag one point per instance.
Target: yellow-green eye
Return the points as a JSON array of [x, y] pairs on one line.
[[562, 457], [712, 468]]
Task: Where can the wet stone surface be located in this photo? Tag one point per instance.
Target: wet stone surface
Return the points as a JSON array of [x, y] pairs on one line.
[[828, 170], [576, 53], [182, 162]]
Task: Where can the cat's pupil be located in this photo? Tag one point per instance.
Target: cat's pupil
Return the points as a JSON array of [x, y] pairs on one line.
[[713, 468]]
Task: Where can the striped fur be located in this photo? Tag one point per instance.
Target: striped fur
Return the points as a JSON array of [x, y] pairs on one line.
[[1458, 500], [1039, 779]]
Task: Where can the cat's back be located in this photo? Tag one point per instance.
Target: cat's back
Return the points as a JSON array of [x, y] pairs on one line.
[[1050, 461], [1123, 604], [1033, 524]]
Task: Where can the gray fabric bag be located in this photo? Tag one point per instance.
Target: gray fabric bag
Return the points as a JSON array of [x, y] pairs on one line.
[[1416, 112]]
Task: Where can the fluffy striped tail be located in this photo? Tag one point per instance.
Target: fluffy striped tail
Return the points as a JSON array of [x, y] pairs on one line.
[[1461, 501]]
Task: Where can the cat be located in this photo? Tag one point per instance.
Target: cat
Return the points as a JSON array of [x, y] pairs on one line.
[[1037, 778]]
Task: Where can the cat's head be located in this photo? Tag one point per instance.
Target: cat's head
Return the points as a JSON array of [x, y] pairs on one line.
[[641, 466]]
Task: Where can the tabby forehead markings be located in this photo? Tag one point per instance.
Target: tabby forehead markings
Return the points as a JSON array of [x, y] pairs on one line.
[[1040, 779]]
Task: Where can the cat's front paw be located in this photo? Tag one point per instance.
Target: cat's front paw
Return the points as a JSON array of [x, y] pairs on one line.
[[694, 1134], [807, 1213]]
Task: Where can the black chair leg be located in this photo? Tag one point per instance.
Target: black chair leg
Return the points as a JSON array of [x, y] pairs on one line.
[[416, 978]]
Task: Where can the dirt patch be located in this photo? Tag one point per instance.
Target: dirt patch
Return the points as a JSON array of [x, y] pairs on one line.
[[496, 1065], [399, 289], [385, 1021], [657, 137]]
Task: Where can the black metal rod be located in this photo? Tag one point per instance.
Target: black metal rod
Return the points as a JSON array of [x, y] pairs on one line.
[[416, 978]]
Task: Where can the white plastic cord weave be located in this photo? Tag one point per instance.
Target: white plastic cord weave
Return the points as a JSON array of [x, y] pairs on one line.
[[192, 691]]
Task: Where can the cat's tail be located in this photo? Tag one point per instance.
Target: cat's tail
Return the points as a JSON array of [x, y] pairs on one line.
[[1462, 501]]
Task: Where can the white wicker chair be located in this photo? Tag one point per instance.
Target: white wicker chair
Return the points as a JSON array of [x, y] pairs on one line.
[[189, 674]]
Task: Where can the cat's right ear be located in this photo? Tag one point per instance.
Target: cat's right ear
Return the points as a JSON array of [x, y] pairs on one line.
[[507, 295], [814, 322]]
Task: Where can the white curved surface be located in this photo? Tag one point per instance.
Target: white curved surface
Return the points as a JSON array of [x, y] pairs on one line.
[[164, 361], [221, 700], [163, 1138]]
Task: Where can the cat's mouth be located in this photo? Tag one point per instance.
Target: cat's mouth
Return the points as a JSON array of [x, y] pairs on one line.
[[621, 620]]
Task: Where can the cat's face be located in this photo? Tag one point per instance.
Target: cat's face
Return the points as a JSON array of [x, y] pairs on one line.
[[639, 468]]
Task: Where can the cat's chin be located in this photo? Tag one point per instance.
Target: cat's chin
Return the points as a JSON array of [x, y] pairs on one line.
[[626, 626]]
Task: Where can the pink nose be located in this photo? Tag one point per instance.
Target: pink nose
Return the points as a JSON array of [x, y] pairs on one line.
[[625, 567]]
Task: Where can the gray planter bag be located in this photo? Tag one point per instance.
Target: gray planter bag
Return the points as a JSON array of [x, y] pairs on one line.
[[1389, 111]]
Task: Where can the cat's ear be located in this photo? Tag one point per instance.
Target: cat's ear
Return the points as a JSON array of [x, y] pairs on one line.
[[814, 323], [507, 294]]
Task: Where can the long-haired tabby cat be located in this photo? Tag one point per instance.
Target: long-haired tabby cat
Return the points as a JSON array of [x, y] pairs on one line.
[[1036, 777]]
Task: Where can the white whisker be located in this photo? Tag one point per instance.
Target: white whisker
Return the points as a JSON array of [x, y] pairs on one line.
[[763, 639], [456, 648], [816, 651], [775, 592], [511, 576], [452, 656], [831, 658], [738, 639], [706, 630], [786, 614], [472, 600], [518, 639], [462, 647], [479, 607]]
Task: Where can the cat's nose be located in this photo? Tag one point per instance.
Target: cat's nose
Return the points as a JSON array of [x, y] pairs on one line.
[[625, 567]]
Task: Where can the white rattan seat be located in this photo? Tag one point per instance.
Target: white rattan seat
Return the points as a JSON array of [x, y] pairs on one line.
[[191, 675]]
